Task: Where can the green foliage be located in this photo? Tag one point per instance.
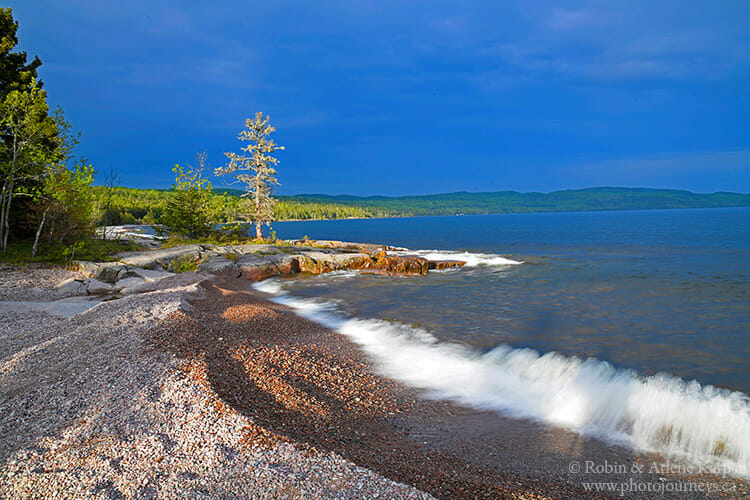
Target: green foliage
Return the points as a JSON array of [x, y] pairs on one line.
[[193, 211], [183, 264], [64, 206], [148, 206], [15, 72]]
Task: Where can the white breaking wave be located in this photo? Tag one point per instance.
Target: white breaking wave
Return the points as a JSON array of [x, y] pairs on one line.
[[471, 259], [662, 413]]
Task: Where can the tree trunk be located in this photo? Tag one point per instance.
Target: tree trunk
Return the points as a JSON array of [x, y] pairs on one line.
[[6, 221], [38, 233], [2, 214]]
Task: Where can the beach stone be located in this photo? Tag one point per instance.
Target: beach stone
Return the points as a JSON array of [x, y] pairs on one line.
[[95, 287]]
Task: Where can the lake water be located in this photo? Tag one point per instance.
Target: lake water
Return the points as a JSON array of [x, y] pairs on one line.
[[631, 326]]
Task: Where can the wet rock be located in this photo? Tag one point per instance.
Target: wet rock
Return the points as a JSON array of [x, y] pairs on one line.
[[446, 264], [401, 264]]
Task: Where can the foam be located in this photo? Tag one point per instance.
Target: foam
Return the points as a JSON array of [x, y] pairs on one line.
[[662, 413]]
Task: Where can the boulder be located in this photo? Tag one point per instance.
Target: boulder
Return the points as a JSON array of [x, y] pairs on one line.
[[323, 262], [401, 264], [151, 275], [131, 282], [446, 264], [96, 287], [88, 269], [72, 286], [255, 267], [110, 273], [217, 264], [159, 259]]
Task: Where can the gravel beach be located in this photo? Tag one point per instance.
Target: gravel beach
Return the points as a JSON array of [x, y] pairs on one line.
[[90, 408], [202, 388]]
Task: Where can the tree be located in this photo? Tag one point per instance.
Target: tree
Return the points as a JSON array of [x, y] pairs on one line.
[[29, 137], [66, 203], [255, 168], [30, 142], [190, 211], [107, 192], [15, 73]]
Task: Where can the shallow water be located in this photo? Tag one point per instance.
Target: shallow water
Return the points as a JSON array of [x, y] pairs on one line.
[[600, 327]]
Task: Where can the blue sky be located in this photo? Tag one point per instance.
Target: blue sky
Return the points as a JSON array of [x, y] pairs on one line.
[[382, 97]]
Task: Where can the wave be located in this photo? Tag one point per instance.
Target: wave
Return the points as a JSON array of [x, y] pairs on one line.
[[471, 259], [703, 424]]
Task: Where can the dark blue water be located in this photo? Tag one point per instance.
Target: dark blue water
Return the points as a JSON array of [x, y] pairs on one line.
[[654, 291]]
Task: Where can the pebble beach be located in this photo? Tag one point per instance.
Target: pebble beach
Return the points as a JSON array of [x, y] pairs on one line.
[[201, 388]]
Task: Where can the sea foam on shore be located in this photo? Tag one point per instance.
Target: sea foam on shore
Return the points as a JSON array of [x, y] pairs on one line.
[[704, 425]]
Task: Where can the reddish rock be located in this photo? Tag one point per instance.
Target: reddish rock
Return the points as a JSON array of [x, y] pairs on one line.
[[446, 264], [402, 264]]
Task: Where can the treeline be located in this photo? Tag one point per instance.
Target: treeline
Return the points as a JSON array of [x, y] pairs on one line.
[[514, 202], [149, 206]]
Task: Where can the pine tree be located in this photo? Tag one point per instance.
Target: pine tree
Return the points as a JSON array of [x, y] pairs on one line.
[[255, 168]]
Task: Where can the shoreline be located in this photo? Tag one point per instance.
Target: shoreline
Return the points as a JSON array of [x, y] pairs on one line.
[[262, 384]]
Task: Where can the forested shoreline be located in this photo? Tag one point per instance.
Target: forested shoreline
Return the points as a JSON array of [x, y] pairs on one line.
[[134, 206]]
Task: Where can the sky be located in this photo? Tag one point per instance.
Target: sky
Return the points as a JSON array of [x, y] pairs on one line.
[[408, 97]]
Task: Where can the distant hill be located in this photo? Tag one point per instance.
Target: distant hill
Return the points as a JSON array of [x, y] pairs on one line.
[[601, 198]]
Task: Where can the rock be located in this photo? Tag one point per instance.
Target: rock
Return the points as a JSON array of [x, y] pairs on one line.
[[88, 269], [446, 264], [245, 249], [255, 267], [151, 275], [159, 259], [323, 262], [401, 264], [217, 264], [110, 273], [95, 287], [131, 282], [72, 286]]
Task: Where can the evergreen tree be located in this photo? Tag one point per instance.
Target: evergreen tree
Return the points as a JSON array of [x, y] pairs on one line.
[[15, 72], [255, 168]]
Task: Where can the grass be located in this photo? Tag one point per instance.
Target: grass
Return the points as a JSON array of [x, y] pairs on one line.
[[19, 252]]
